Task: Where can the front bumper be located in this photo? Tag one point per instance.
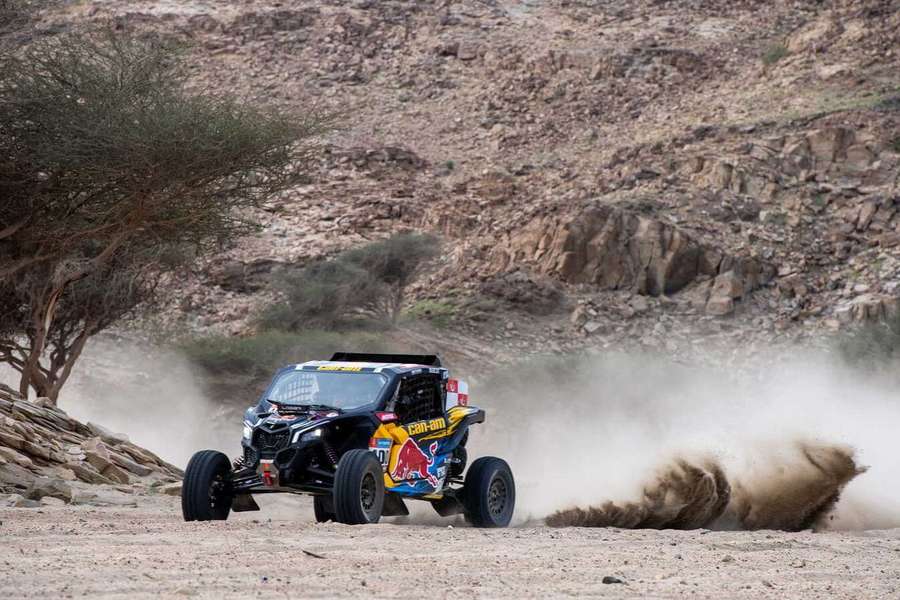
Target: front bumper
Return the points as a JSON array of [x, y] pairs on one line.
[[294, 467]]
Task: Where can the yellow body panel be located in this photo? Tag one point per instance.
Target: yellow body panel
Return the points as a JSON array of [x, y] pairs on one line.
[[420, 431]]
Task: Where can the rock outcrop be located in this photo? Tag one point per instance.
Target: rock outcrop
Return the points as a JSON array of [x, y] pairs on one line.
[[46, 453], [615, 249], [768, 167]]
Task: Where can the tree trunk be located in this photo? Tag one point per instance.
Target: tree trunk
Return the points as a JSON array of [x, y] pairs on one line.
[[74, 353], [41, 317]]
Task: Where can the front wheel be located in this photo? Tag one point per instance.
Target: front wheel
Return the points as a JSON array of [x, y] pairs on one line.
[[206, 490], [358, 488], [489, 493]]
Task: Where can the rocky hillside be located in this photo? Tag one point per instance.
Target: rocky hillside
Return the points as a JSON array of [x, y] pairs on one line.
[[604, 173], [46, 456]]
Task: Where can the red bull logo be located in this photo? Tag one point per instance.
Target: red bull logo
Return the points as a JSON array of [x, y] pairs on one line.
[[412, 463]]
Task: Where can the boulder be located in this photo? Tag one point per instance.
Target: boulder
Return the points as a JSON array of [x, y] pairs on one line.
[[47, 486], [579, 315], [10, 439], [15, 457], [87, 473], [38, 450], [13, 476], [536, 295], [719, 306], [727, 285], [592, 327], [467, 50], [103, 497], [140, 455], [116, 474], [171, 489], [64, 473], [17, 501], [106, 435], [130, 465], [96, 453]]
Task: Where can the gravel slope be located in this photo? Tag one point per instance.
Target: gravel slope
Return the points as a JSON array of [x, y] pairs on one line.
[[144, 552]]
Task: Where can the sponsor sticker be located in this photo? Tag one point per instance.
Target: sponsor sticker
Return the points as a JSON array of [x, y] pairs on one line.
[[426, 426], [382, 449]]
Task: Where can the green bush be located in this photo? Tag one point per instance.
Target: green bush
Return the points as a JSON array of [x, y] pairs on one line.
[[324, 294], [774, 53], [368, 281], [438, 313], [258, 356]]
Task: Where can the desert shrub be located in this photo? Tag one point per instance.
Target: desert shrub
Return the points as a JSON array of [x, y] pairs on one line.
[[324, 294], [368, 281], [258, 356], [438, 312], [774, 53], [249, 355], [391, 265]]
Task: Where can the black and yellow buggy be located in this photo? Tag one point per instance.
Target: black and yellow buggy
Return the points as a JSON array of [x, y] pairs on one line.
[[360, 433]]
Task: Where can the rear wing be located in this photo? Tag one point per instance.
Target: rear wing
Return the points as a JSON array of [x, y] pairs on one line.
[[428, 360]]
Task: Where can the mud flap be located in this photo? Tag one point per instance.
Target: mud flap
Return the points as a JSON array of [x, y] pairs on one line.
[[448, 505], [244, 503], [394, 506]]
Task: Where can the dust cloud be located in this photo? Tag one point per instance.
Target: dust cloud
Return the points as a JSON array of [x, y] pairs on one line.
[[153, 396], [604, 440], [641, 441]]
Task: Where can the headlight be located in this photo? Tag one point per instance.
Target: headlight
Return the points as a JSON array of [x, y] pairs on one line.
[[309, 435], [248, 431]]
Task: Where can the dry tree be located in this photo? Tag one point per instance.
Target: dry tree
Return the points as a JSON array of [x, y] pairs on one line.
[[109, 161]]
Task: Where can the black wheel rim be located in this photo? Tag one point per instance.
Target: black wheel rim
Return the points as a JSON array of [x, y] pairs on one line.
[[497, 495], [367, 492], [218, 491]]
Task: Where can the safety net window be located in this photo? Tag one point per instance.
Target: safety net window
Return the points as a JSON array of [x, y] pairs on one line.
[[420, 399]]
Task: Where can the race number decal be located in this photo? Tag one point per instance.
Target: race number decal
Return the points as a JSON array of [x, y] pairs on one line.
[[382, 449]]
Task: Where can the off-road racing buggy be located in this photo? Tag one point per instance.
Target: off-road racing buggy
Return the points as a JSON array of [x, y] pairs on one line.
[[360, 433]]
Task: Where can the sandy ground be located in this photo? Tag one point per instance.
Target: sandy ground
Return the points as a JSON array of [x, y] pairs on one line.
[[144, 552]]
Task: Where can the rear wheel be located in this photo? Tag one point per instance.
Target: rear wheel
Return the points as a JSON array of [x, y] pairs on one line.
[[322, 509], [489, 493], [358, 488], [206, 490]]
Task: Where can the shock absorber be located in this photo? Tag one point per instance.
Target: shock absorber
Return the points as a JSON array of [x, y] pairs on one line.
[[330, 453]]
